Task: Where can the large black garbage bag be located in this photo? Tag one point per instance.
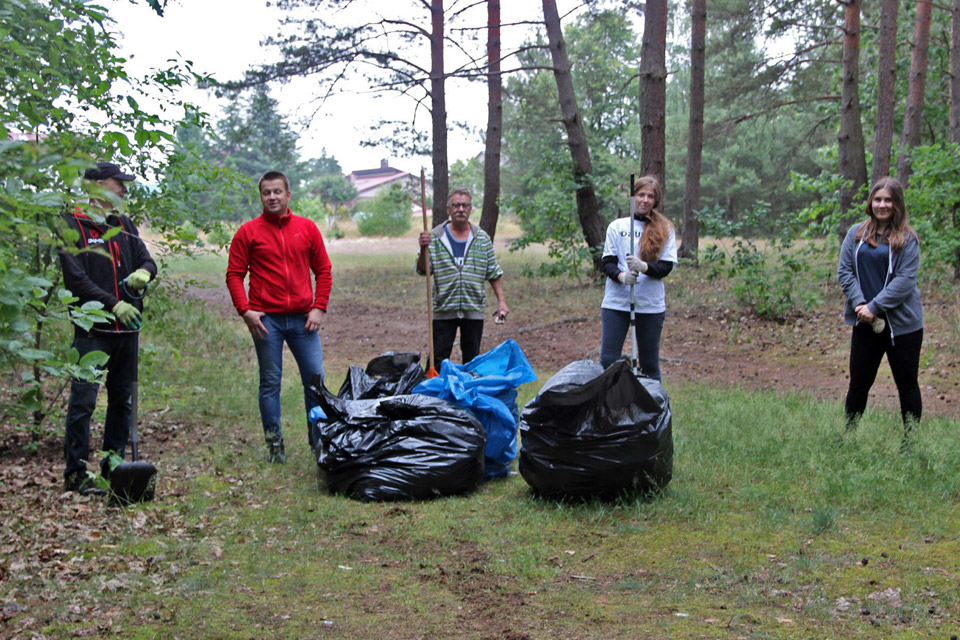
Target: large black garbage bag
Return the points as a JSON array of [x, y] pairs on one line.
[[592, 433], [398, 448], [389, 374]]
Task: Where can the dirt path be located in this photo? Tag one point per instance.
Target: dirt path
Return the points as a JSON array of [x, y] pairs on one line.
[[809, 355]]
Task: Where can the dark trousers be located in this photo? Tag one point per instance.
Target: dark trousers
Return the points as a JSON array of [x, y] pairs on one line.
[[121, 350], [614, 327], [903, 355], [444, 333]]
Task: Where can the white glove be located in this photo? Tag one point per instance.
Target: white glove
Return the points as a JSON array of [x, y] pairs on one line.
[[636, 265], [628, 277]]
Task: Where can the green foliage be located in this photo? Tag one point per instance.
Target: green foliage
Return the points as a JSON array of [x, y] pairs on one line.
[[549, 217], [468, 174], [66, 101], [933, 203], [772, 291], [388, 214]]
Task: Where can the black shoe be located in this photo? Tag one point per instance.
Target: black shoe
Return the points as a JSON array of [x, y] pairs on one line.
[[80, 482], [275, 452]]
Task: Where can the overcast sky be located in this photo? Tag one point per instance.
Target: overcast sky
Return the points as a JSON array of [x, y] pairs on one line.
[[222, 37]]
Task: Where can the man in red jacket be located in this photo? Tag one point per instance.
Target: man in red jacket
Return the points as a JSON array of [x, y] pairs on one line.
[[280, 250]]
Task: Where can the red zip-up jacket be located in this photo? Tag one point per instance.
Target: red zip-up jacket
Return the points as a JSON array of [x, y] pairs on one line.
[[279, 253]]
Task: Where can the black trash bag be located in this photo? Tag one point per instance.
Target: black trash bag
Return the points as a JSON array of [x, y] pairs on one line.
[[592, 433], [406, 447], [389, 374]]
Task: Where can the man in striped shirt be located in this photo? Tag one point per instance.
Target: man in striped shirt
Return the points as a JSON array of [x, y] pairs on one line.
[[461, 261]]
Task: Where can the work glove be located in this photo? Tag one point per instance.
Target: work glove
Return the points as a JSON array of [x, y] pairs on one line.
[[628, 277], [636, 265], [138, 279], [127, 314]]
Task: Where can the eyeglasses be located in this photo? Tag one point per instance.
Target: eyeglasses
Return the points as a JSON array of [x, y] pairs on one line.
[[460, 205]]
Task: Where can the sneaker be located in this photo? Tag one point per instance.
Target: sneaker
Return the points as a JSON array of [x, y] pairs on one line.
[[80, 482], [275, 452]]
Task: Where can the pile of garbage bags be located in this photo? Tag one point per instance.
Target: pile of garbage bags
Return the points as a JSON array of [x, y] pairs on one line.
[[390, 434], [595, 433]]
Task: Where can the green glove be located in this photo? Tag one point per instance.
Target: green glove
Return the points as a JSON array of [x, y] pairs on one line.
[[127, 314], [138, 279]]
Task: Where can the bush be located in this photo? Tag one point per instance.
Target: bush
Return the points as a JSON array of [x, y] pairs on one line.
[[386, 215]]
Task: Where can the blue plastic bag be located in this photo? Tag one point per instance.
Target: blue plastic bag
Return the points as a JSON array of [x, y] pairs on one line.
[[487, 387]]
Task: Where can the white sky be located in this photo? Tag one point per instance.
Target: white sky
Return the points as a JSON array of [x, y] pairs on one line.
[[222, 38]]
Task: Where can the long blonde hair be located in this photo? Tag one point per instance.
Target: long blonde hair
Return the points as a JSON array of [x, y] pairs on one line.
[[899, 229], [657, 230]]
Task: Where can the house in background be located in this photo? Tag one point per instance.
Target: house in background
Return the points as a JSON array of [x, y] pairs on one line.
[[370, 182]]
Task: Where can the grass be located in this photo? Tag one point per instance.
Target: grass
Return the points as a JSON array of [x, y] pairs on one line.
[[776, 525]]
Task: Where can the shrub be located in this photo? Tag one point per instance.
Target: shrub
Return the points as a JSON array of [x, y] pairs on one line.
[[386, 215]]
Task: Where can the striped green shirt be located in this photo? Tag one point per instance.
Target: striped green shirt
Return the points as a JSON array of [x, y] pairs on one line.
[[461, 293]]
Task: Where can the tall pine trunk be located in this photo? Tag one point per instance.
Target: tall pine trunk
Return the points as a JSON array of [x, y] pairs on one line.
[[691, 193], [653, 90], [438, 111], [886, 88], [955, 72], [852, 159], [918, 79], [588, 209], [955, 111], [491, 158]]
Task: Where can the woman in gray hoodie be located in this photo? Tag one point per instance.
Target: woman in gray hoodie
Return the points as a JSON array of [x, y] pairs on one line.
[[878, 267]]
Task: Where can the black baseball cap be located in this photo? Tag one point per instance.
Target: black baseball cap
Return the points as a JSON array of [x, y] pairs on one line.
[[105, 170]]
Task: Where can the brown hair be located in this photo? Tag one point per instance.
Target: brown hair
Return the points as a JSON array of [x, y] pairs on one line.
[[656, 232], [899, 229]]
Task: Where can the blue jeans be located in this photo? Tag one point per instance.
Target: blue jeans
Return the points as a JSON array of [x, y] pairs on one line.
[[305, 347], [614, 327], [122, 351]]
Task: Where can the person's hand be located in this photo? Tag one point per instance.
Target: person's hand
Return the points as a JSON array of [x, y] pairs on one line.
[[314, 319], [502, 312], [255, 324], [628, 277], [127, 314], [138, 279], [636, 265], [865, 315], [425, 238]]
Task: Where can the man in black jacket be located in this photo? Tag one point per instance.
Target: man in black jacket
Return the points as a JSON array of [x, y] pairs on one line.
[[112, 269]]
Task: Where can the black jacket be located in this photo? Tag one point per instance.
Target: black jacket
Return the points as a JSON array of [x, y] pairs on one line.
[[95, 274]]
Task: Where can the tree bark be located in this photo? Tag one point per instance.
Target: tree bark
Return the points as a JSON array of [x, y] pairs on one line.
[[691, 194], [588, 209], [955, 72], [491, 157], [438, 110], [955, 111], [653, 90], [852, 159], [886, 88], [918, 79]]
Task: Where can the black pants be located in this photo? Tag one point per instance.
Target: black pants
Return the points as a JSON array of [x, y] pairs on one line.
[[445, 331], [903, 355], [614, 328], [121, 349]]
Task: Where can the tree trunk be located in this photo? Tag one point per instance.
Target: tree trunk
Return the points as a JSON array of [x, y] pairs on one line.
[[955, 111], [691, 194], [438, 110], [918, 80], [653, 90], [955, 72], [852, 159], [588, 209], [886, 87], [491, 157]]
